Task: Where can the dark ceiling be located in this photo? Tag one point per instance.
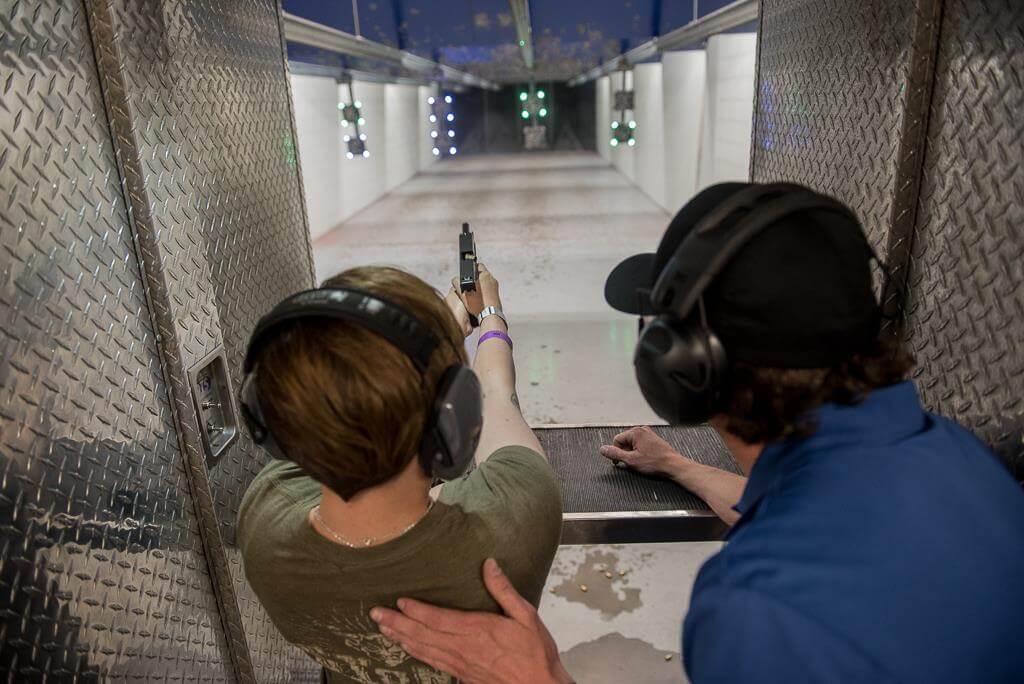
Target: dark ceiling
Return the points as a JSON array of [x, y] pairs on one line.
[[479, 36]]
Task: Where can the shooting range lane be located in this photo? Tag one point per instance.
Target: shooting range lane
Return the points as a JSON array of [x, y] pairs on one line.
[[550, 226]]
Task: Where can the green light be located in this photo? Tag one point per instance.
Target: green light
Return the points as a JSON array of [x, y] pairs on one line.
[[632, 125], [615, 124], [525, 114], [362, 121], [540, 94], [615, 143], [522, 96], [543, 111], [522, 43]]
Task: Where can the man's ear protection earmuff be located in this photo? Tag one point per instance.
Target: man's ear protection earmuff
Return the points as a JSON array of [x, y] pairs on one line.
[[452, 429], [680, 363]]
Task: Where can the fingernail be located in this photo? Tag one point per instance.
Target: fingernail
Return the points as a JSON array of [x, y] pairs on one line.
[[401, 605], [491, 567], [603, 450], [386, 631], [376, 615]]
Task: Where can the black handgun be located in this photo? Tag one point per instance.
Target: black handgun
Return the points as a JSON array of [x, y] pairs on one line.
[[467, 260]]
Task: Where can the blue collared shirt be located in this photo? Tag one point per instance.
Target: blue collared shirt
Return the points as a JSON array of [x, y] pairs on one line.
[[887, 547]]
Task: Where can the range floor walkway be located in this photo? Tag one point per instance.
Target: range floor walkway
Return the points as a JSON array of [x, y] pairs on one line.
[[550, 227]]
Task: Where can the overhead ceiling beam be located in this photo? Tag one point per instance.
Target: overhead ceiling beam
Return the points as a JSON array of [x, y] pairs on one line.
[[299, 30], [524, 29], [339, 74], [729, 17]]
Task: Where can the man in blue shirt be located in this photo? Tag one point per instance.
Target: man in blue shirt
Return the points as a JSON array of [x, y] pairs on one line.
[[873, 541]]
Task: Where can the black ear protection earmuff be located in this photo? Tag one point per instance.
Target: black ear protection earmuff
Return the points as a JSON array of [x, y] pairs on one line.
[[452, 431], [680, 363]]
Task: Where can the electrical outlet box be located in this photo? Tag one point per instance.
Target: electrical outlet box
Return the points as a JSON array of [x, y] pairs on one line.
[[215, 405]]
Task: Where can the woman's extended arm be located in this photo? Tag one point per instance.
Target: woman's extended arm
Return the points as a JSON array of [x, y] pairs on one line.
[[503, 420]]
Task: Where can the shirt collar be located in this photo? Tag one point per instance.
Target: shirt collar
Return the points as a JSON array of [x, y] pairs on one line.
[[885, 416]]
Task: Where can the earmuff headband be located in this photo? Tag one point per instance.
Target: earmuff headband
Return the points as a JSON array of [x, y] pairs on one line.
[[392, 322]]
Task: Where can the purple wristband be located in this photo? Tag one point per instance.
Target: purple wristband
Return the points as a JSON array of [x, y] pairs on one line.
[[494, 334]]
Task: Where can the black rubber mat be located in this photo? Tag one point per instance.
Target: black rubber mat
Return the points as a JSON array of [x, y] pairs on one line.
[[590, 483]]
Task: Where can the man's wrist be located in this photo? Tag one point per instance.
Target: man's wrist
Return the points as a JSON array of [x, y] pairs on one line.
[[679, 468]]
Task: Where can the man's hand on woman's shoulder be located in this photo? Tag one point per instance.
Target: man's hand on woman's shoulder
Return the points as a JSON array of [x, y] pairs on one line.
[[514, 648]]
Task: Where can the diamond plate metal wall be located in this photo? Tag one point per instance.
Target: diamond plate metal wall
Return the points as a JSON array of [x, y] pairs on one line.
[[198, 99], [842, 105], [102, 569], [910, 112], [965, 311], [830, 100]]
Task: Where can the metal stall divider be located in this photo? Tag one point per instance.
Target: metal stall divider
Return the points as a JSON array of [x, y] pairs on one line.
[[906, 111], [198, 101], [830, 101], [103, 567], [965, 309]]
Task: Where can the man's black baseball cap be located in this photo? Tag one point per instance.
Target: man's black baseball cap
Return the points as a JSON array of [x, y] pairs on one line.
[[798, 295]]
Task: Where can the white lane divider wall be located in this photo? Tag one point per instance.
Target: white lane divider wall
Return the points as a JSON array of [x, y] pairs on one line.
[[694, 114]]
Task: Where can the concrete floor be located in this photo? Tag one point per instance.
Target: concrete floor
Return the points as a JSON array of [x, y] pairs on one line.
[[625, 628], [551, 227]]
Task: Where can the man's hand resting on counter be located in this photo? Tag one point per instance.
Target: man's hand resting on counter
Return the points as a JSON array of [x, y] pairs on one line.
[[642, 450]]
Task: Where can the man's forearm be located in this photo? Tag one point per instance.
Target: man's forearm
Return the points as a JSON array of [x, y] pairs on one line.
[[721, 490]]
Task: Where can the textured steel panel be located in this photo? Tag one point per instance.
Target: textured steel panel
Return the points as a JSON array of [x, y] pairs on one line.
[[965, 310], [198, 97], [102, 571], [591, 483], [831, 98]]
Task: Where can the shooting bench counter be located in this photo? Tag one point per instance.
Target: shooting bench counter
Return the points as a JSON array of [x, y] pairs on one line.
[[608, 505]]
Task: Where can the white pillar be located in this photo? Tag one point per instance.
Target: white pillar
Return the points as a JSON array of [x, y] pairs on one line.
[[623, 156], [363, 179], [402, 140], [320, 148], [650, 132], [683, 88], [729, 108], [426, 143], [602, 118]]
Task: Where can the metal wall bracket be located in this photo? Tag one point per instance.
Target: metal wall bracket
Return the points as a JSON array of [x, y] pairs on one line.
[[214, 400]]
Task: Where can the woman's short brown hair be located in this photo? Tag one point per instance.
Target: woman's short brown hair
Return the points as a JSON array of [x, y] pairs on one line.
[[342, 402], [772, 404]]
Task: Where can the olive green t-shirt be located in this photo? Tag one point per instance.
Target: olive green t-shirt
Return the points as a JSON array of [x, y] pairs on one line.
[[319, 593]]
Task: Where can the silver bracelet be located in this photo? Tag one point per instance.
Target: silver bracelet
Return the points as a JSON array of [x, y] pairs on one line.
[[492, 311]]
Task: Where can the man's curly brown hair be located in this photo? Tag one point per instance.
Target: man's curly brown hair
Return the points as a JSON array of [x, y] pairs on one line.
[[773, 404]]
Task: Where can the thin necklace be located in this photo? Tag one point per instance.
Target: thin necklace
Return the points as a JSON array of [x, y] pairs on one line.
[[367, 541]]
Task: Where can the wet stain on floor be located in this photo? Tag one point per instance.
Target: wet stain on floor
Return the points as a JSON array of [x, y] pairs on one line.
[[599, 583], [617, 658]]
